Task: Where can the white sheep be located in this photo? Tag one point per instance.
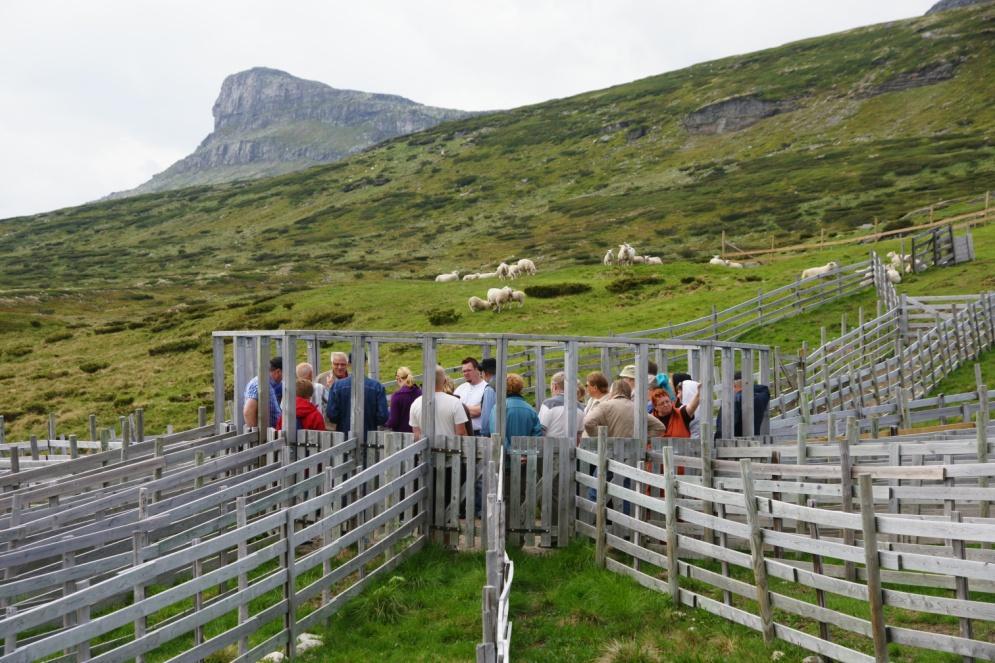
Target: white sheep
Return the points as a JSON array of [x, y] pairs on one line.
[[893, 275], [638, 260], [717, 261], [502, 270], [447, 278], [653, 260], [514, 271], [471, 277], [734, 265], [626, 254], [518, 296], [487, 275], [812, 272], [498, 297], [526, 266], [896, 259], [609, 259], [477, 304]]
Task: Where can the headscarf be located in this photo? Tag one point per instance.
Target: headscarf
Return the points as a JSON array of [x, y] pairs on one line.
[[663, 382]]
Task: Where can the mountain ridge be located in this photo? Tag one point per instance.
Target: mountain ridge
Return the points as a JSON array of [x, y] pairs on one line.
[[268, 122]]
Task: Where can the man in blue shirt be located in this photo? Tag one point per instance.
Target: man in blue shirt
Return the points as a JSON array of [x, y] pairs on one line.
[[250, 410], [520, 417], [488, 367], [339, 408]]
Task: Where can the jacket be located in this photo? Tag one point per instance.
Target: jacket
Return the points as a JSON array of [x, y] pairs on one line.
[[339, 409], [520, 420], [761, 399], [617, 414], [308, 416], [400, 408]]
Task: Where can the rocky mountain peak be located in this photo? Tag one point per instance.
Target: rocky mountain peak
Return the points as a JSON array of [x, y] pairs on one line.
[[944, 5]]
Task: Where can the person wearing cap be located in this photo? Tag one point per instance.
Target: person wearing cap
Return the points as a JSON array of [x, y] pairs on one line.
[[250, 410], [488, 367]]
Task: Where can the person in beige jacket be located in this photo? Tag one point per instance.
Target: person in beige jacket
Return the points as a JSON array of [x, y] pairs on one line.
[[617, 412]]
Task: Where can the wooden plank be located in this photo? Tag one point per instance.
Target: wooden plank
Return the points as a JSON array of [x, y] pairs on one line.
[[757, 553]]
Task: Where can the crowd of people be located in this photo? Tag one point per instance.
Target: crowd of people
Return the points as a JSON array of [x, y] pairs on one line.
[[323, 402]]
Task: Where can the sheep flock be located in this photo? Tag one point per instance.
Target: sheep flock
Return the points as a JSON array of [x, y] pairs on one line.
[[497, 298]]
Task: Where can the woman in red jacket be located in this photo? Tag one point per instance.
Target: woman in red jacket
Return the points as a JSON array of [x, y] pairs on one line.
[[308, 416]]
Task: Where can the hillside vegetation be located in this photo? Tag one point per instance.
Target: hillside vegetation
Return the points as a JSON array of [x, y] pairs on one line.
[[109, 306]]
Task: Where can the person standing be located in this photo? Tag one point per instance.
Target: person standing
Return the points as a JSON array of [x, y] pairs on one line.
[[339, 409], [488, 367], [471, 391], [553, 411], [450, 417], [308, 416], [520, 417], [401, 400], [250, 410]]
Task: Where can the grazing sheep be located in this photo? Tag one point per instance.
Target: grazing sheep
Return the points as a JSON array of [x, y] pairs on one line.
[[477, 304], [653, 260], [446, 278], [609, 259], [471, 277], [896, 259], [526, 266], [487, 275], [514, 272], [638, 260], [734, 265], [893, 275], [812, 272], [502, 270], [717, 261], [518, 296], [498, 297]]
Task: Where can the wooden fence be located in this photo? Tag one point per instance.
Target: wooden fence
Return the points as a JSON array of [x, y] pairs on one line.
[[729, 541], [495, 612], [223, 550]]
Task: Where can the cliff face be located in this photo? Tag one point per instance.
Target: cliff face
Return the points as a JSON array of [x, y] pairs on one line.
[[267, 122]]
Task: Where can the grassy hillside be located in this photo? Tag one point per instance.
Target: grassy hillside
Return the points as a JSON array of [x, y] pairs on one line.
[[109, 306]]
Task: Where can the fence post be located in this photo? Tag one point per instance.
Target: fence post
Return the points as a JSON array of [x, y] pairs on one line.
[[138, 539], [601, 510], [290, 586], [73, 447], [757, 552], [801, 458], [241, 520], [262, 402], [846, 486], [707, 480], [981, 431], [873, 569], [670, 500]]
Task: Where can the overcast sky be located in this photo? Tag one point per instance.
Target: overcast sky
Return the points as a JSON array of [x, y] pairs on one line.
[[98, 96]]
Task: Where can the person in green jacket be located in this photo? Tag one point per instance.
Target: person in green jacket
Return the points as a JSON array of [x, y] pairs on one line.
[[520, 417]]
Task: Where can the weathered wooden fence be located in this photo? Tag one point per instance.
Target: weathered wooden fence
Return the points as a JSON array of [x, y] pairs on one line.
[[257, 552], [495, 614]]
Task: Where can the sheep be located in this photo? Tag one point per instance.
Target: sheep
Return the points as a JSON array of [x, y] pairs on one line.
[[518, 296], [896, 259], [717, 261], [609, 259], [626, 254], [638, 260], [487, 275], [471, 277], [893, 275], [526, 266], [478, 304], [812, 272], [447, 278], [734, 265], [497, 297], [653, 260], [502, 271], [514, 272]]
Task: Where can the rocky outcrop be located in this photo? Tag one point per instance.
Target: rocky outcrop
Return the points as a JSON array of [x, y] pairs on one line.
[[733, 114], [929, 74], [268, 122], [944, 5]]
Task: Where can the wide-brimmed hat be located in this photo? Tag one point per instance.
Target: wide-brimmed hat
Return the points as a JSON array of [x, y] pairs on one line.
[[629, 371]]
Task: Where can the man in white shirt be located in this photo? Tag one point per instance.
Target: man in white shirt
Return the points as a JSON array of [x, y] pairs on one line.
[[471, 392], [450, 418], [553, 413]]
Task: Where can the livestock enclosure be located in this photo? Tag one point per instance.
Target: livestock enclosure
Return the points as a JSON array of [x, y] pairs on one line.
[[839, 526]]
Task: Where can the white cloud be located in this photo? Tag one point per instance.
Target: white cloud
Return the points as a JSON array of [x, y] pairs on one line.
[[98, 96]]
